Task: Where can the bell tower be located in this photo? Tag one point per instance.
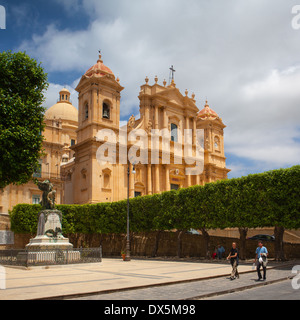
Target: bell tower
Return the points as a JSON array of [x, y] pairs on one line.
[[99, 101], [214, 154], [98, 108]]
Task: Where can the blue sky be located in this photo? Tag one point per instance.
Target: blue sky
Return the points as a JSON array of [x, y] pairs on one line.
[[242, 56], [25, 19]]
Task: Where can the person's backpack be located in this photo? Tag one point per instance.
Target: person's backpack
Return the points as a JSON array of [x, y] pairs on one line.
[[263, 259]]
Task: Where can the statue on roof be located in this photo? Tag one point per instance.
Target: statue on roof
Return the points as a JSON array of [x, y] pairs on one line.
[[131, 122]]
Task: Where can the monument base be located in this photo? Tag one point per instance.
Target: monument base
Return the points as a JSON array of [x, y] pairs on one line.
[[50, 246], [41, 243], [45, 250]]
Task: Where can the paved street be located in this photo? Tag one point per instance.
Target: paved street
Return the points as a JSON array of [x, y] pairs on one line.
[[277, 291], [110, 275], [198, 289], [140, 279]]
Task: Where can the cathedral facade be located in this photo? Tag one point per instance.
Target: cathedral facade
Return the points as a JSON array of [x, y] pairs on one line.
[[80, 144], [168, 124]]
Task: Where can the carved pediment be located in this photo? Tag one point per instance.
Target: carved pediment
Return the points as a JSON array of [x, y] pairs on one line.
[[173, 95], [177, 173]]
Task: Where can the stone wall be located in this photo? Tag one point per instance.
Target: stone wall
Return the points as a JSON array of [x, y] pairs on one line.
[[143, 244], [4, 221]]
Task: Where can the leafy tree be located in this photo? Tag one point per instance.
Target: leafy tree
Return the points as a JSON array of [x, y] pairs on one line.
[[242, 207], [162, 215], [282, 190], [195, 210], [22, 86]]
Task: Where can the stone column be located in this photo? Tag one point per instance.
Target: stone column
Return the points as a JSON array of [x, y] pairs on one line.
[[149, 179], [156, 178], [194, 131], [187, 120], [188, 180], [156, 117], [165, 117], [168, 186], [147, 114]]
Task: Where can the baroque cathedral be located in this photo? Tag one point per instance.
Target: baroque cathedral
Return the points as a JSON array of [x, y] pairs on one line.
[[72, 143]]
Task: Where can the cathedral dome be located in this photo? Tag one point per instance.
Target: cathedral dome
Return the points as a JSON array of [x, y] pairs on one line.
[[63, 109], [207, 113], [99, 68]]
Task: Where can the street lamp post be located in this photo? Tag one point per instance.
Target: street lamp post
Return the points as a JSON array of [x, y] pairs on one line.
[[127, 257]]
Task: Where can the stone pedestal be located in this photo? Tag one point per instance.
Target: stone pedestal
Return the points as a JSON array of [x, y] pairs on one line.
[[49, 233], [45, 243]]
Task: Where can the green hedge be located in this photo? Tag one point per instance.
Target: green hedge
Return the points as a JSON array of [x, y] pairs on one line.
[[259, 200]]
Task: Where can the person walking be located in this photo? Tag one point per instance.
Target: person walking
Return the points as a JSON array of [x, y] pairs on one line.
[[234, 260], [220, 251], [261, 260]]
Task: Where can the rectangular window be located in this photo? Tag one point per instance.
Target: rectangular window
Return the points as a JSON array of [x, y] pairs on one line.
[[36, 199], [174, 132], [137, 194], [86, 111], [174, 186], [73, 142], [38, 170]]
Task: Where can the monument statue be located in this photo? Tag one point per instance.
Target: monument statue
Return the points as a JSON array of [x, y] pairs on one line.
[[51, 198], [49, 231], [48, 198], [50, 220]]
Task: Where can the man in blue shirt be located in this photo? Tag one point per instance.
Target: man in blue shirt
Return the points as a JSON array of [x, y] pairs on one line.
[[260, 260]]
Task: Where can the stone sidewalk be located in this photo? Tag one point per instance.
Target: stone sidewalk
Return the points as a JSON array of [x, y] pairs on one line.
[[116, 276]]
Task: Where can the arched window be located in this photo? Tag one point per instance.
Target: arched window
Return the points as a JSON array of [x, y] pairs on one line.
[[106, 111], [106, 180], [217, 143], [86, 111]]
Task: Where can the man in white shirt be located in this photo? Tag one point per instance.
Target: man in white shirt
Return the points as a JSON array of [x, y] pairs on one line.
[[261, 254]]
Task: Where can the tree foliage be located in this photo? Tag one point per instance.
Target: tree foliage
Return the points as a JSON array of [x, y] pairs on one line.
[[269, 199], [22, 86]]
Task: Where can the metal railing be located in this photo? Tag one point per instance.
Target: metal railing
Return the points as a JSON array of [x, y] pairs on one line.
[[26, 258], [47, 175]]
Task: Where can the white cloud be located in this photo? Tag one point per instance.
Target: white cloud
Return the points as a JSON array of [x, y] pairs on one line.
[[242, 56], [267, 126]]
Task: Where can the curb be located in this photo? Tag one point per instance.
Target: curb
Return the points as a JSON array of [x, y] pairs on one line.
[[86, 294]]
